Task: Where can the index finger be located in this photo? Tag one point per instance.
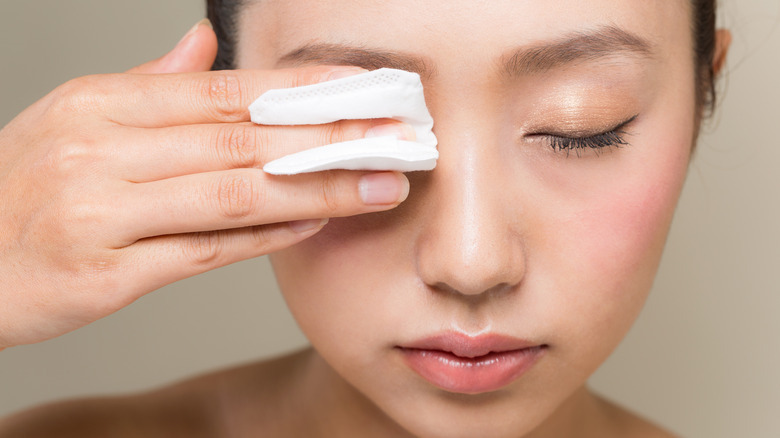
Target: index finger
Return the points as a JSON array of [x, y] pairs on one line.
[[194, 98]]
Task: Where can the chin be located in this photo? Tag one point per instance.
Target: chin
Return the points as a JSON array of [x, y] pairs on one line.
[[470, 420], [429, 412]]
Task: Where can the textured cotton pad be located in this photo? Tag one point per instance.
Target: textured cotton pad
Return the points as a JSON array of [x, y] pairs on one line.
[[383, 93], [378, 153]]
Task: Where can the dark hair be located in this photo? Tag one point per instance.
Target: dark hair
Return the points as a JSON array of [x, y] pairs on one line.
[[704, 28], [224, 17]]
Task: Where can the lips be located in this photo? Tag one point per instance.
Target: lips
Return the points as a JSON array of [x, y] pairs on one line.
[[460, 363]]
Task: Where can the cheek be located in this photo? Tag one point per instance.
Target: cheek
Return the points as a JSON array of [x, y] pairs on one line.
[[627, 225], [621, 231], [342, 283], [605, 236]]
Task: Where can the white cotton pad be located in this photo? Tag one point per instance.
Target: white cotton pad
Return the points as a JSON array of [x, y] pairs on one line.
[[383, 93]]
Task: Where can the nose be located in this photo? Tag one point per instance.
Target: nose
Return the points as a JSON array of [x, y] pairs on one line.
[[471, 241]]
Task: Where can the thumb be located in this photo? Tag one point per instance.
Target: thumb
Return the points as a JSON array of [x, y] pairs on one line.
[[194, 53]]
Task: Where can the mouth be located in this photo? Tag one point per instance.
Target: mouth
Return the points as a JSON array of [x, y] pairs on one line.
[[463, 364]]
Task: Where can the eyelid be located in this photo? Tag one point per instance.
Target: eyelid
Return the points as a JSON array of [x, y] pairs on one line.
[[583, 135], [595, 142]]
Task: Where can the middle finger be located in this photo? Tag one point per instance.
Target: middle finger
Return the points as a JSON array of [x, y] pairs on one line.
[[146, 155]]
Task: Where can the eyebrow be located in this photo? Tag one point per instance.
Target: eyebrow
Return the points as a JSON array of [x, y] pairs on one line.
[[370, 59], [577, 47]]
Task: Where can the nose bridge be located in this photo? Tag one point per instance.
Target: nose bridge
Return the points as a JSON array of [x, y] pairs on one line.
[[471, 244]]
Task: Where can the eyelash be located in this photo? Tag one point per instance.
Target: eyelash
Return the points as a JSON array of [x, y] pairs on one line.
[[612, 138]]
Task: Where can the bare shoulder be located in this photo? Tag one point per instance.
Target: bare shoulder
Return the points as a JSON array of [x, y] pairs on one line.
[[205, 406], [630, 424], [101, 417]]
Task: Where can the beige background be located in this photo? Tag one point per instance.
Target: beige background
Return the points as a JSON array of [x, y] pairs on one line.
[[703, 359]]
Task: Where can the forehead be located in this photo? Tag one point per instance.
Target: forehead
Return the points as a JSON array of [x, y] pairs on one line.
[[455, 33]]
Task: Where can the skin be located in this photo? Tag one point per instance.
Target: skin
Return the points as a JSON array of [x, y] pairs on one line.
[[128, 182], [563, 253]]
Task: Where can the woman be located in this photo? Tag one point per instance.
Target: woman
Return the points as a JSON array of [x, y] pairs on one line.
[[478, 307]]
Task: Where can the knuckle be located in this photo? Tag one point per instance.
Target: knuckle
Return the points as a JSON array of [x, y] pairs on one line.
[[238, 147], [309, 75], [79, 219], [342, 130], [204, 249], [352, 129], [329, 193], [223, 92], [78, 95], [265, 239], [237, 196], [260, 238], [71, 88], [68, 158], [333, 133]]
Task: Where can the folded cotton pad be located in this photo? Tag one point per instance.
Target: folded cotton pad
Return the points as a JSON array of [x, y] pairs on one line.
[[383, 93]]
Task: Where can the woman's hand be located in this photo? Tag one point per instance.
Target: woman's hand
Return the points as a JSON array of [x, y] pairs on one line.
[[115, 185]]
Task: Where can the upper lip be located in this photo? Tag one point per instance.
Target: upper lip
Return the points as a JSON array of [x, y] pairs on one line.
[[464, 345]]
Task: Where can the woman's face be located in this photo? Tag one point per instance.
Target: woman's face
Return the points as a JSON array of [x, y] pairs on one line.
[[518, 238]]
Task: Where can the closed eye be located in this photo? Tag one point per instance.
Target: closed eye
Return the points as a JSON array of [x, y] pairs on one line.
[[614, 137]]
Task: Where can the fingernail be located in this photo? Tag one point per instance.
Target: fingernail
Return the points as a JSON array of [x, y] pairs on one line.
[[401, 131], [203, 22], [344, 72], [304, 226], [383, 188]]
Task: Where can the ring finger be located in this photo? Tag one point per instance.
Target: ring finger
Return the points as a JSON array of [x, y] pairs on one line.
[[247, 197]]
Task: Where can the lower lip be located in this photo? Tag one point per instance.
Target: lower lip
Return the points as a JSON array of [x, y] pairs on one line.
[[487, 373]]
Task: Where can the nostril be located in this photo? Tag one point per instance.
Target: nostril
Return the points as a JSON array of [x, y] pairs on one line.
[[491, 264], [474, 290]]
